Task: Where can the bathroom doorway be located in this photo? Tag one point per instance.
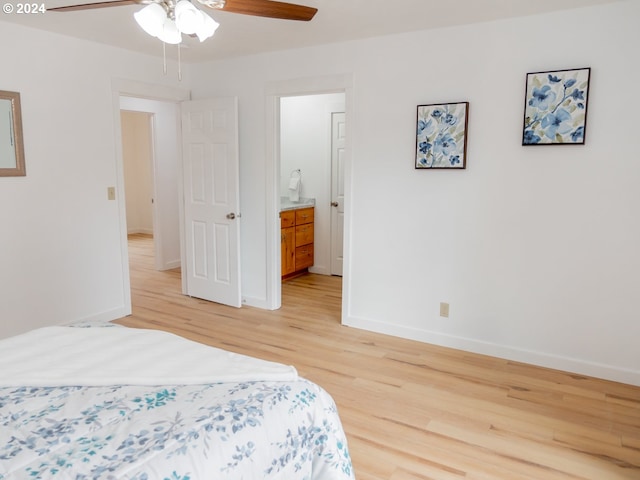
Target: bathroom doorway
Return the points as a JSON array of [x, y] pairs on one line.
[[274, 92], [312, 132]]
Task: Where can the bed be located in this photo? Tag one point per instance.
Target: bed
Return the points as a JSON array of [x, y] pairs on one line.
[[111, 402]]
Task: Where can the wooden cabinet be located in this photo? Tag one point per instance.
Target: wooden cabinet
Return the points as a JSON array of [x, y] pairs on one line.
[[296, 241], [288, 242]]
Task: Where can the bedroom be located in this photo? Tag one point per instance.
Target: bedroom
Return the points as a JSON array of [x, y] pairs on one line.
[[534, 249]]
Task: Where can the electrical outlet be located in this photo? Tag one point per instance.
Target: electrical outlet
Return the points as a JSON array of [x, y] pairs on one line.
[[111, 193], [444, 309]]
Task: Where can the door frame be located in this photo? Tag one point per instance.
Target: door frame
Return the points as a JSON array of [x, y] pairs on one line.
[[273, 92], [133, 88]]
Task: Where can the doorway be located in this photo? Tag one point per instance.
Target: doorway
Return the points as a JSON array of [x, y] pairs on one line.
[[170, 214], [150, 154], [137, 156], [276, 92], [310, 149], [125, 94]]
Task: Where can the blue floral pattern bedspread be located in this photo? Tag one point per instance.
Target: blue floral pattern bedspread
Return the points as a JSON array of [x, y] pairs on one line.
[[255, 430]]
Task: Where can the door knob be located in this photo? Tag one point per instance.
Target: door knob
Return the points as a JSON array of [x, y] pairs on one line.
[[334, 204], [231, 216]]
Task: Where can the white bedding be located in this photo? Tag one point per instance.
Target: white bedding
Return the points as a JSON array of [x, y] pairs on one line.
[[278, 428], [124, 356]]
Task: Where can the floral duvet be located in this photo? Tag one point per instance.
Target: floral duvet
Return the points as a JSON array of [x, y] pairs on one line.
[[285, 430]]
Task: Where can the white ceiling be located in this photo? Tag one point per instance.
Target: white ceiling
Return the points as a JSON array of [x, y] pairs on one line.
[[336, 20]]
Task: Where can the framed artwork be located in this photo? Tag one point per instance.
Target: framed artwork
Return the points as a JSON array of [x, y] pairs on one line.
[[11, 142], [555, 107], [441, 138]]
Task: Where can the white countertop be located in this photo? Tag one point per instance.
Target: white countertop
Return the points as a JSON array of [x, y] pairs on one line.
[[286, 204]]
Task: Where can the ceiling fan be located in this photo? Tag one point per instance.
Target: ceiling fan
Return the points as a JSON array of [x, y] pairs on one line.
[[261, 8], [167, 20]]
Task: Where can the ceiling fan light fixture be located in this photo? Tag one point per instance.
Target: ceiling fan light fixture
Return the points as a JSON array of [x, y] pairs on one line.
[[209, 27], [170, 33], [151, 19], [189, 19]]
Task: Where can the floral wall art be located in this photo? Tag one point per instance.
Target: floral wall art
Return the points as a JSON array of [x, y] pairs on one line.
[[441, 139], [555, 110]]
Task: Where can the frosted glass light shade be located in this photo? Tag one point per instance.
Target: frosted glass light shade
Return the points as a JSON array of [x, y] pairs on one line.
[[170, 32], [157, 22], [151, 18], [209, 27], [188, 18]]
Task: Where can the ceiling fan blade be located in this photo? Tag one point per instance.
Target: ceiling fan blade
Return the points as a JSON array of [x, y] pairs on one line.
[[271, 9], [89, 6]]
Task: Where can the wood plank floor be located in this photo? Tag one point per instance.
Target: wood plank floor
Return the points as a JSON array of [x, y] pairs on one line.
[[413, 411]]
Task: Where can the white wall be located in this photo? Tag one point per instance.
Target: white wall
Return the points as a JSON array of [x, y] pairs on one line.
[[61, 257], [137, 158], [535, 248], [305, 144]]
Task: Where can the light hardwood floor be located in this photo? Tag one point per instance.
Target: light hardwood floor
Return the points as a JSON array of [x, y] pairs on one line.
[[413, 411]]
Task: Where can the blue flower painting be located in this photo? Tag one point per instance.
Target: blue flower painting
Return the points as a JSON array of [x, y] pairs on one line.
[[441, 137], [555, 110]]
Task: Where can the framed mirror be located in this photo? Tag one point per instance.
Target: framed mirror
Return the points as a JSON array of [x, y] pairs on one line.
[[11, 145]]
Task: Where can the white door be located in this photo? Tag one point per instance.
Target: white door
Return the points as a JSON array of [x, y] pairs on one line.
[[338, 133], [211, 200]]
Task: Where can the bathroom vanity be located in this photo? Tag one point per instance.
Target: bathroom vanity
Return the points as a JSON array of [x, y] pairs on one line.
[[296, 238]]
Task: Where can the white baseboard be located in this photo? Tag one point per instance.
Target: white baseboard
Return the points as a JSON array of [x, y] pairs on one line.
[[256, 302], [171, 265], [106, 316], [557, 362], [319, 270]]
